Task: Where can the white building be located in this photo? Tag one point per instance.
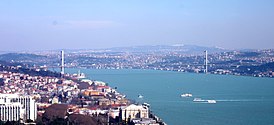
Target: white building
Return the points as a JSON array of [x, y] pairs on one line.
[[11, 111], [15, 107], [134, 111]]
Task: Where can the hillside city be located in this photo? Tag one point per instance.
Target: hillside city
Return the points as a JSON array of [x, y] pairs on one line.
[[32, 92], [47, 98], [258, 63]]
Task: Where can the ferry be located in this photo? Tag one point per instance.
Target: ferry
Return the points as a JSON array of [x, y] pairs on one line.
[[186, 95]]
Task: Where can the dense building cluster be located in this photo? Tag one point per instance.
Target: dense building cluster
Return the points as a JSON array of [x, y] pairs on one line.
[[25, 98], [257, 63], [185, 58]]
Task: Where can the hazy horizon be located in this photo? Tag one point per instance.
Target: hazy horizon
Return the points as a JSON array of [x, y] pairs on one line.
[[66, 24]]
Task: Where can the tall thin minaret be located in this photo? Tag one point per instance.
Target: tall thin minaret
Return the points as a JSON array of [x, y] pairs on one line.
[[62, 63], [206, 61]]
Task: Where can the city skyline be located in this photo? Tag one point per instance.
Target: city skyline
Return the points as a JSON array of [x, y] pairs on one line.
[[49, 25]]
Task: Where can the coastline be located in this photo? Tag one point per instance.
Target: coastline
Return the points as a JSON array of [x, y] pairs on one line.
[[165, 99], [129, 102], [230, 74]]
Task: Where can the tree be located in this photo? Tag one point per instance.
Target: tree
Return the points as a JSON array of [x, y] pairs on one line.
[[58, 121], [2, 82], [79, 119], [55, 111]]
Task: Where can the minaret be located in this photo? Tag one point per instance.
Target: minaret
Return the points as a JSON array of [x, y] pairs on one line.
[[206, 61], [62, 63]]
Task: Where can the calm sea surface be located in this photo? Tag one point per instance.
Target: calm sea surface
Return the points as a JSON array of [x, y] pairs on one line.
[[240, 100]]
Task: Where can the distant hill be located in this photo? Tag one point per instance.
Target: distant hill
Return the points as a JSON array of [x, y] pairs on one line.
[[185, 49], [9, 66], [3, 52], [20, 57], [5, 63], [266, 67]]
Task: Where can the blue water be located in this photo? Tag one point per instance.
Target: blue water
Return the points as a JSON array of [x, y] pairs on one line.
[[240, 100]]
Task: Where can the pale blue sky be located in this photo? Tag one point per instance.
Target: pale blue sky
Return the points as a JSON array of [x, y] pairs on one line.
[[87, 24]]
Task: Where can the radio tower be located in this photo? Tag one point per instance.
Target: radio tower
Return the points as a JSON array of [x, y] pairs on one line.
[[206, 61], [62, 63]]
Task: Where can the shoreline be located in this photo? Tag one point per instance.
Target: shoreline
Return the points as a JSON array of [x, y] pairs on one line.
[[169, 71], [129, 101]]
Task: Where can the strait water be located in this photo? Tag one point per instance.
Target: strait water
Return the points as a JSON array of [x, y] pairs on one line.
[[240, 100]]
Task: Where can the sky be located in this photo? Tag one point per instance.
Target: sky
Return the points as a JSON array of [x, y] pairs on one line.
[[92, 24]]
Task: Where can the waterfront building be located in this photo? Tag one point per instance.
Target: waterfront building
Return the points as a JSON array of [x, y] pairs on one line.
[[134, 111], [16, 106]]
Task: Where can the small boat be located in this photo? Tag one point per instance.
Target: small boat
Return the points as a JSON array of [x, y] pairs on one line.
[[146, 104], [140, 96], [186, 95]]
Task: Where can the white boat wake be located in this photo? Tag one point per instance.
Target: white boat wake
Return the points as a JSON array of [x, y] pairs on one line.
[[238, 100]]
